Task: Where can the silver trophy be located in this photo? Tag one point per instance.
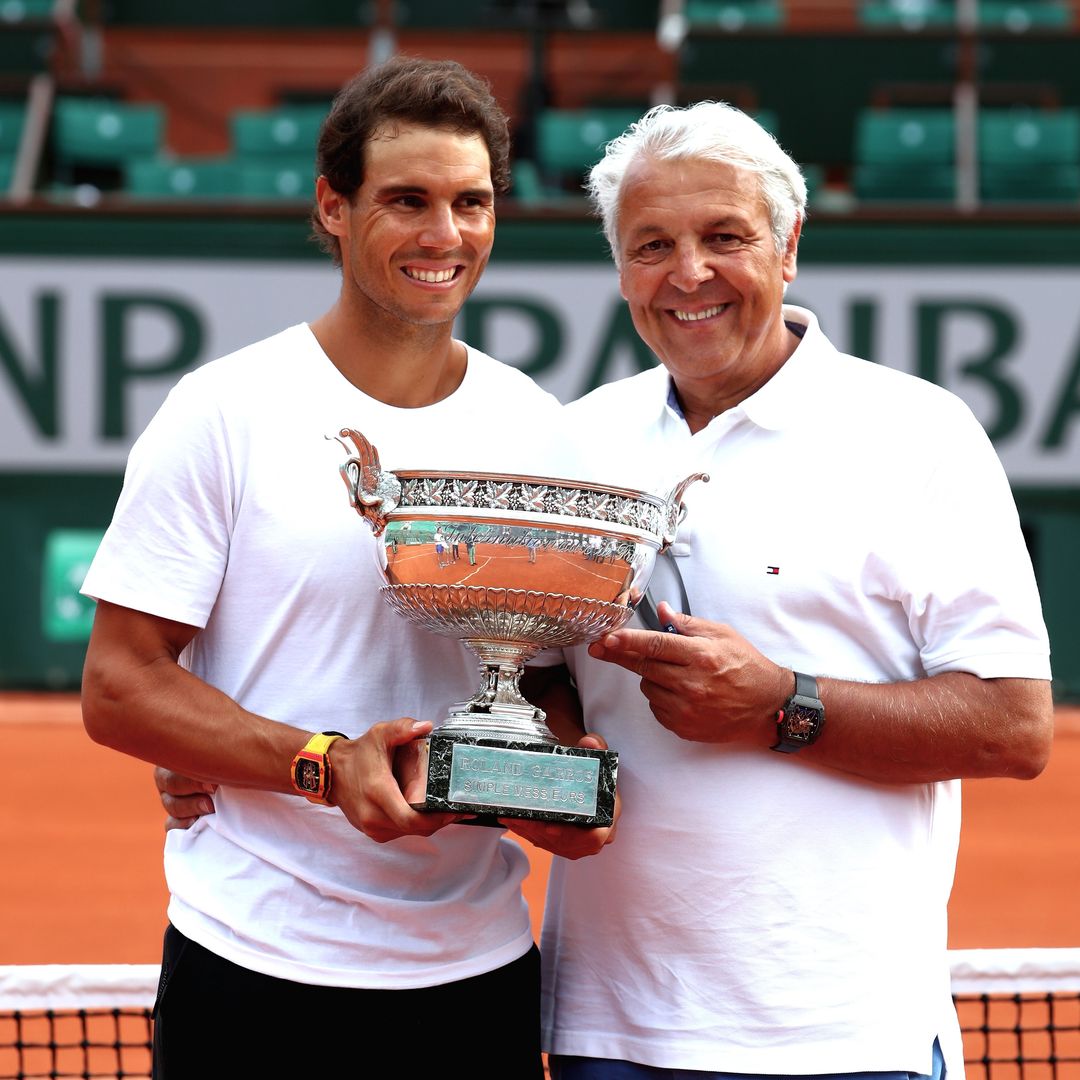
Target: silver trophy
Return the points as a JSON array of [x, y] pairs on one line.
[[510, 565]]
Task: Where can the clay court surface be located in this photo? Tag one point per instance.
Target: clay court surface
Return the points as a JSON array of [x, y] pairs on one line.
[[80, 840]]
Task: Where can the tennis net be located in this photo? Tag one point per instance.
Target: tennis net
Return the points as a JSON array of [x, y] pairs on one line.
[[90, 1021], [1019, 1011]]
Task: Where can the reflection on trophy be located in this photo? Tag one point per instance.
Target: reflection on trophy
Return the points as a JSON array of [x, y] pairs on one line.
[[510, 565]]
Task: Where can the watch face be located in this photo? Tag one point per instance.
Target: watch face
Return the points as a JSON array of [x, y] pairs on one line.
[[800, 722], [309, 775]]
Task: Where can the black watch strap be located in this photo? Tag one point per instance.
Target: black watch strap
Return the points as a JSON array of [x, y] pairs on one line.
[[800, 721]]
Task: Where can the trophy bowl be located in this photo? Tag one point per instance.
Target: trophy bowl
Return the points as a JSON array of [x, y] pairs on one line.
[[510, 565]]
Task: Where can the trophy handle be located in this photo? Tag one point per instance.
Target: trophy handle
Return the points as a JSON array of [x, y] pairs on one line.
[[374, 494], [676, 509]]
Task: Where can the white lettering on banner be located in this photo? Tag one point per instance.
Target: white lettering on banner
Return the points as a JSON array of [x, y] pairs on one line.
[[90, 347]]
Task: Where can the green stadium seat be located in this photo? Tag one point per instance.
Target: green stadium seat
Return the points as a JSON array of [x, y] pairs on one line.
[[526, 185], [16, 11], [288, 131], [905, 155], [275, 150], [571, 141], [285, 178], [182, 178], [733, 15], [575, 138], [1029, 156], [1019, 16], [907, 14], [12, 118], [102, 132]]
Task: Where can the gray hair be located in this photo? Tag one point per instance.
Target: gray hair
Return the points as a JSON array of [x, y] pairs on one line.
[[710, 131]]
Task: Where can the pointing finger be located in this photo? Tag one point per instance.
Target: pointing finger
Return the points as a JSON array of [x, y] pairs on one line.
[[642, 651]]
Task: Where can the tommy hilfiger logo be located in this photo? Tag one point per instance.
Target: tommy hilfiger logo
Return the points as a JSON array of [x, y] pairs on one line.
[[772, 569]]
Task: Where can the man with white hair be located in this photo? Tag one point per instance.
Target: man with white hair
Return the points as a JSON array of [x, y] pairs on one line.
[[865, 630]]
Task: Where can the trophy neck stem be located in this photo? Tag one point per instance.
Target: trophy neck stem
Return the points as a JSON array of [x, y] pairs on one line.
[[498, 708], [498, 654]]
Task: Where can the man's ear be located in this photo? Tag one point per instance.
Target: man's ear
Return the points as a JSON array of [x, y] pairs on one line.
[[333, 208], [791, 253]]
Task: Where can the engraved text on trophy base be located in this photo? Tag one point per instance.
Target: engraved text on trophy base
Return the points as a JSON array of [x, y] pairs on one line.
[[503, 778]]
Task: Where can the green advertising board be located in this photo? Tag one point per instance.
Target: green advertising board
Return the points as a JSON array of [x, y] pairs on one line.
[[101, 313]]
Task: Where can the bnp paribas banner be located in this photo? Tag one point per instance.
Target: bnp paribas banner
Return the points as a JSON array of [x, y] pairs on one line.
[[89, 348]]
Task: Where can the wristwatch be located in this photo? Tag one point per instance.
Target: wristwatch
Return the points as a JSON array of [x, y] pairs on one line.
[[800, 721], [311, 775]]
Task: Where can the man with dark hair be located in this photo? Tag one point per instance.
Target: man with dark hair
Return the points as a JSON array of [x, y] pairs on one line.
[[239, 638], [406, 90]]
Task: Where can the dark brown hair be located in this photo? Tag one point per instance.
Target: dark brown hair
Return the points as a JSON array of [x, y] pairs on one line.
[[433, 93]]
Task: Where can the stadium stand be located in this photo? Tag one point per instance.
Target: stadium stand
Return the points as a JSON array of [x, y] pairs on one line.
[[905, 155], [95, 139], [1026, 155], [274, 150], [235, 119]]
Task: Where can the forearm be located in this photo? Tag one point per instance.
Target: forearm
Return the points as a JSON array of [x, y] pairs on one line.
[[136, 698], [938, 728], [165, 715], [709, 684]]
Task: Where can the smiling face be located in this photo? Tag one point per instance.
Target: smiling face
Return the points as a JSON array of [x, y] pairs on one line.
[[699, 268], [417, 235]]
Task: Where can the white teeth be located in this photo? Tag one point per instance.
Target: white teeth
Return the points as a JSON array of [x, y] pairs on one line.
[[430, 275], [694, 316]]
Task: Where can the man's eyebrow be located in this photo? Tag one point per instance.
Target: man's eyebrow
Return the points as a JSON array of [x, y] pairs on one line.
[[725, 221], [392, 190], [402, 189], [646, 230]]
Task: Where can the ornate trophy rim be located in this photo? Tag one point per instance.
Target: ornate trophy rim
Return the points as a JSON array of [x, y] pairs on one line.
[[528, 478]]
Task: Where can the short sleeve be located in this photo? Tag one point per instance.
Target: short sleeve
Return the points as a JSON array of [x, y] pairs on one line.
[[167, 547], [969, 587]]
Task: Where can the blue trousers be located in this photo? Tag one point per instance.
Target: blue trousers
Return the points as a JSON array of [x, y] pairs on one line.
[[578, 1068]]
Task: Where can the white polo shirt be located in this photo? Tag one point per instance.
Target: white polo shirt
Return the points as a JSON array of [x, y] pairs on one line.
[[233, 518], [759, 913]]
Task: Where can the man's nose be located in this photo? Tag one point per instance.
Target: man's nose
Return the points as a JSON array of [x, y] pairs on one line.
[[691, 269], [440, 230]]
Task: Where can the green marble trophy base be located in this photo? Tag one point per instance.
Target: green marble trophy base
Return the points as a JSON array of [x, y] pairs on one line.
[[496, 778]]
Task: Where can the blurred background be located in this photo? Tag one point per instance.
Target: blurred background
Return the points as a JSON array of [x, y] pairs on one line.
[[155, 178]]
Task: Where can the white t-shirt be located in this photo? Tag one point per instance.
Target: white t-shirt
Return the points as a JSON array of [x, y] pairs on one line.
[[757, 912], [234, 518]]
